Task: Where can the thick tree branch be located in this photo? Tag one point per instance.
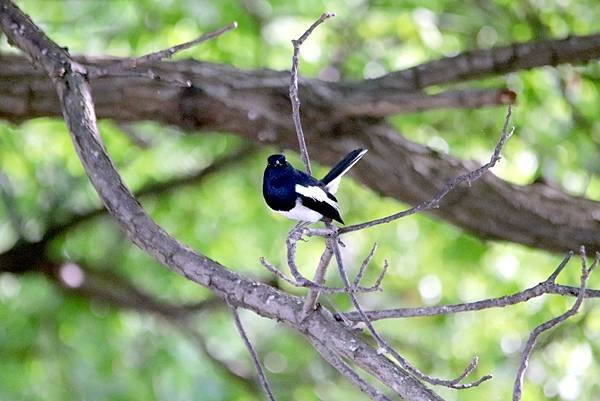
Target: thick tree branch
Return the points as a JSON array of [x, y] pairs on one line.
[[254, 104], [500, 60], [375, 105], [75, 99]]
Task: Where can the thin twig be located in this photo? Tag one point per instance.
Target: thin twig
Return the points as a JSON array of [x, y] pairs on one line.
[[261, 374], [384, 346], [345, 370], [585, 273], [303, 282], [435, 201], [313, 294], [126, 66], [294, 89], [547, 286], [201, 344], [364, 265]]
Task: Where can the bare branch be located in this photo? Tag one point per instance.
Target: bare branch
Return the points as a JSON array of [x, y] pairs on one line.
[[303, 282], [501, 60], [435, 201], [585, 272], [548, 286], [384, 346], [294, 89], [364, 265], [124, 67], [313, 294], [261, 374], [225, 367]]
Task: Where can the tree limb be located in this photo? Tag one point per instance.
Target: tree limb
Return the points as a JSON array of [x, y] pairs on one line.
[[499, 60], [254, 104]]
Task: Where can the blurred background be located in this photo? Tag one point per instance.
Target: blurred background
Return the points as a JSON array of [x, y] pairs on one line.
[[112, 324]]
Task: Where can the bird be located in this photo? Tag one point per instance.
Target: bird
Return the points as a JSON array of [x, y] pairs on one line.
[[300, 196]]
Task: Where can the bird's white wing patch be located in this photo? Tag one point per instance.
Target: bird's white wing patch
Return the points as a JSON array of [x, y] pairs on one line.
[[316, 193], [334, 184], [301, 213]]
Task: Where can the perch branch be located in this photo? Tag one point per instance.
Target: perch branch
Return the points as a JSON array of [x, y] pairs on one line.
[[303, 282], [313, 294]]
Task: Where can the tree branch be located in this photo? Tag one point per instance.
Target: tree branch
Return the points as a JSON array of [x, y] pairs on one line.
[[382, 104], [499, 60], [434, 203], [122, 67], [382, 343], [585, 273], [548, 286], [536, 215]]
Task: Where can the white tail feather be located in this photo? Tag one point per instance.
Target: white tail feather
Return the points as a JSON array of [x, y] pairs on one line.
[[333, 185]]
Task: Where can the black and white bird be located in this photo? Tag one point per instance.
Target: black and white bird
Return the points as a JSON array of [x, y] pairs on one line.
[[299, 196]]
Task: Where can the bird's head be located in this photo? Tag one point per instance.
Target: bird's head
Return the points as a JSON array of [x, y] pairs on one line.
[[277, 161]]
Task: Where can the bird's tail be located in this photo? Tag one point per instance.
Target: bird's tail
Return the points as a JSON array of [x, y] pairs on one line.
[[332, 179]]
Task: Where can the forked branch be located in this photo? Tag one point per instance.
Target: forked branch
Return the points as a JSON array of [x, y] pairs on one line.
[[585, 274]]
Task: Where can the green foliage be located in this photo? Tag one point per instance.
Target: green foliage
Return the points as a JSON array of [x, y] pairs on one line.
[[57, 346]]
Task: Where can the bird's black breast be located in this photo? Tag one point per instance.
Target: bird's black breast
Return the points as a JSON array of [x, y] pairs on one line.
[[279, 188]]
